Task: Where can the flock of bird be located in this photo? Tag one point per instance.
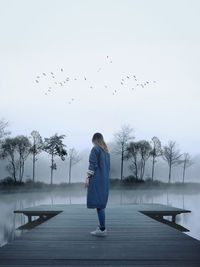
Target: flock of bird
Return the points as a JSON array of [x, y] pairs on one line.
[[123, 80]]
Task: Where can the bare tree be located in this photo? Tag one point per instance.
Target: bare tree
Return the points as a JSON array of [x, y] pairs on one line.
[[36, 148], [171, 155], [132, 154], [187, 162], [9, 148], [155, 152], [74, 158], [23, 148], [3, 125], [55, 147], [122, 138], [3, 133], [144, 150]]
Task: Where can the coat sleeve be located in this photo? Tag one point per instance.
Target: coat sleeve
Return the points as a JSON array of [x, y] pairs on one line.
[[93, 161]]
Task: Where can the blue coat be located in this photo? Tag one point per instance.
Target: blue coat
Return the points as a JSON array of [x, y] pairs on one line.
[[99, 167]]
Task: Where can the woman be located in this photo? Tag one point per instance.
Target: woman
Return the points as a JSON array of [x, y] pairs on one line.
[[97, 182]]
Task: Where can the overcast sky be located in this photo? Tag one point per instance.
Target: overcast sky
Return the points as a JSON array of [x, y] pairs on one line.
[[152, 39]]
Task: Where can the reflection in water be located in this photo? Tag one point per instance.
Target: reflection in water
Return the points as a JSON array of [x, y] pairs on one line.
[[9, 202]]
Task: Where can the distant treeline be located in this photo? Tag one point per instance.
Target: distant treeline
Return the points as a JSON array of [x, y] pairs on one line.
[[17, 149], [128, 183]]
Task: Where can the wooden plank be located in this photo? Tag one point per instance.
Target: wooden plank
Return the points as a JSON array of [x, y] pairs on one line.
[[134, 239], [63, 262]]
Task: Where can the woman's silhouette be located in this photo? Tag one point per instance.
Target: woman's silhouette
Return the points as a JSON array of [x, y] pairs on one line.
[[97, 182]]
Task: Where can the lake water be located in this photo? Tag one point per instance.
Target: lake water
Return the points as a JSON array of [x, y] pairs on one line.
[[9, 222]]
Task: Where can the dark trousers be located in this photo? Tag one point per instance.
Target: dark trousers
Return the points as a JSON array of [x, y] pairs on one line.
[[101, 216]]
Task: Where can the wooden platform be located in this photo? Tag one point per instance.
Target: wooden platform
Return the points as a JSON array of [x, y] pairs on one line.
[[134, 239]]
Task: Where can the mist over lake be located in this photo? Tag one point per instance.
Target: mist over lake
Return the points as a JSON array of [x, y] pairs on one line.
[[9, 202]]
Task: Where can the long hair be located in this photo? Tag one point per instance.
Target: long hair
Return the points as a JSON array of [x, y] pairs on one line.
[[98, 139]]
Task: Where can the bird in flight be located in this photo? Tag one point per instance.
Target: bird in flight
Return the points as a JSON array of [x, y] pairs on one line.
[[110, 61], [131, 80], [72, 99]]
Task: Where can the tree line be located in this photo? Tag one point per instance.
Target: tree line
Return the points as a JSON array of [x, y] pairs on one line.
[[17, 149], [137, 153]]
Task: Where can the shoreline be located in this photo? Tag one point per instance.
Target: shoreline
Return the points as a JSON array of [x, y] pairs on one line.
[[43, 187]]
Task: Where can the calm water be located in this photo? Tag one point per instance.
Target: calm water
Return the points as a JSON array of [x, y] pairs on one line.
[[12, 201]]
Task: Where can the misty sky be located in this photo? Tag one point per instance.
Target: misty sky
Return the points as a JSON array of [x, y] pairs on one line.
[[152, 39]]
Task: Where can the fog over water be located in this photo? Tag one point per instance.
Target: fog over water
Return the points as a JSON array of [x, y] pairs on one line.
[[10, 202]]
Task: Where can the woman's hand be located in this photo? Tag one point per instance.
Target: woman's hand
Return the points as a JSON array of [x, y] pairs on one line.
[[86, 182]]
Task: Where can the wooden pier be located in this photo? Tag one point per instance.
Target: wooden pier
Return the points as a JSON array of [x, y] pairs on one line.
[[137, 236]]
